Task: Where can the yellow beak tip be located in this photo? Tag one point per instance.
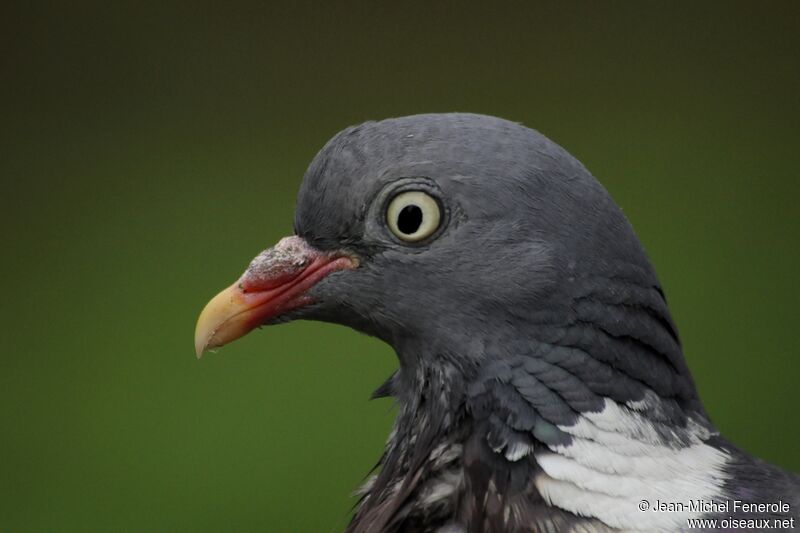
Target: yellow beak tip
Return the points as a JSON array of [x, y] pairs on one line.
[[202, 341], [199, 349], [215, 320]]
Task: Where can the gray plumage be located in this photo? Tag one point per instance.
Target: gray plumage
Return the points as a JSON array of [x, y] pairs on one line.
[[532, 334]]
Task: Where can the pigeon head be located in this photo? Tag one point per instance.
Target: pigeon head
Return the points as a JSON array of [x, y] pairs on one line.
[[444, 235], [542, 384]]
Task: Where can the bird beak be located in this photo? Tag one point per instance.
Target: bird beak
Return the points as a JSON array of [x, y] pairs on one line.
[[275, 282]]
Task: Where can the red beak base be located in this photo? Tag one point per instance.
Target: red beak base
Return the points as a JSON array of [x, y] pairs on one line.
[[275, 282]]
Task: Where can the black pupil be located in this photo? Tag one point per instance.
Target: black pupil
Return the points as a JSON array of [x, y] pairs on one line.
[[409, 219]]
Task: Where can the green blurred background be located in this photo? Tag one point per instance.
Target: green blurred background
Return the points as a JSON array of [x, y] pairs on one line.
[[149, 152]]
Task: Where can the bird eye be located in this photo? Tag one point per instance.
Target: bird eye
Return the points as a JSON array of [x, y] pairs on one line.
[[413, 215]]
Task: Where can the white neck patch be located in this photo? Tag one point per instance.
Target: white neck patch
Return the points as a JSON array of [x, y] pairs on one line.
[[617, 459]]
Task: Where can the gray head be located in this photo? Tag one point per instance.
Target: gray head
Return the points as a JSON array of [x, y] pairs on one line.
[[524, 313], [505, 236]]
